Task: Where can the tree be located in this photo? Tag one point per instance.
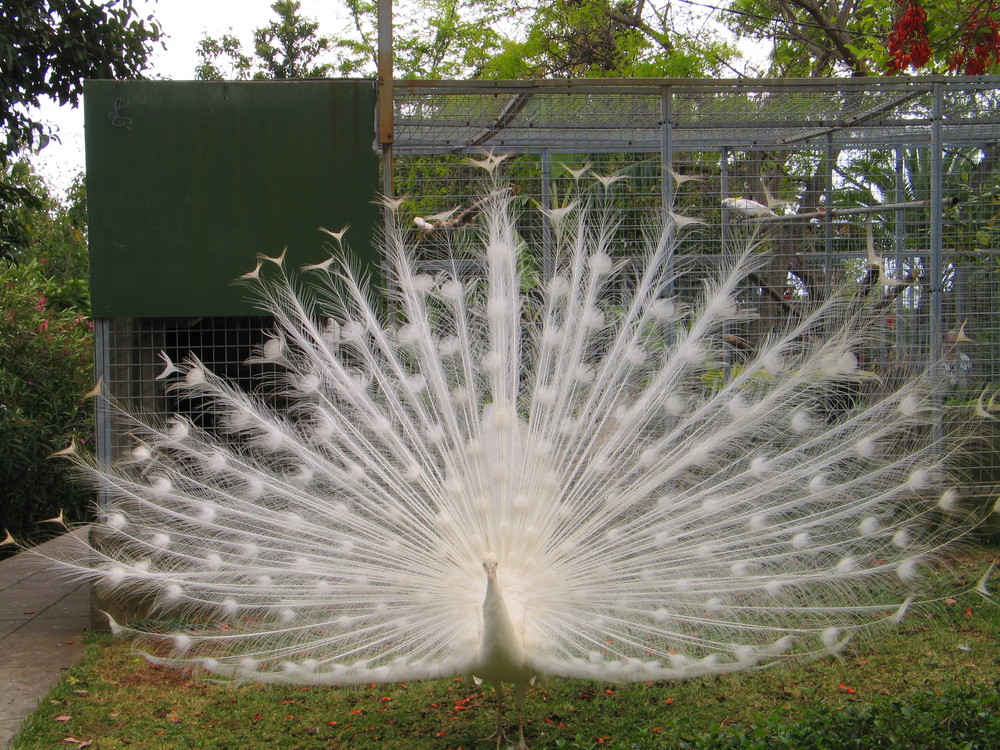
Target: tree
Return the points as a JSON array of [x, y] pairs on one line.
[[464, 39], [444, 38], [288, 47], [872, 37], [47, 49], [431, 40], [621, 38]]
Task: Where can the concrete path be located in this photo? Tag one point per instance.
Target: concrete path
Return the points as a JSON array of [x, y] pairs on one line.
[[42, 620]]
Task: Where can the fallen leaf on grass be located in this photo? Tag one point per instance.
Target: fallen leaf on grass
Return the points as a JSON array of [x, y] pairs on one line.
[[62, 718]]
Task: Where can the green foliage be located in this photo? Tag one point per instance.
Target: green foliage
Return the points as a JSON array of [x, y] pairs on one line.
[[431, 40], [605, 38], [465, 38], [813, 38], [45, 358], [442, 39], [955, 719], [54, 231], [47, 49], [45, 368]]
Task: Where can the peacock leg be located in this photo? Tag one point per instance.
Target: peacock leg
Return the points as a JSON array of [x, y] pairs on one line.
[[499, 735], [519, 690]]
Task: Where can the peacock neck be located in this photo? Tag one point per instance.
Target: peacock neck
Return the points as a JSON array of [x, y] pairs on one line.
[[501, 640]]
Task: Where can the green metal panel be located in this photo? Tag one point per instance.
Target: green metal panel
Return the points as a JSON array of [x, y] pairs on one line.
[[188, 180]]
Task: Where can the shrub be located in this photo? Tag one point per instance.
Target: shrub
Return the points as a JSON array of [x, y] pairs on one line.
[[45, 369]]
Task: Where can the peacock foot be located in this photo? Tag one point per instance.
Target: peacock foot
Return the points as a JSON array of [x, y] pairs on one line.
[[500, 736], [503, 741]]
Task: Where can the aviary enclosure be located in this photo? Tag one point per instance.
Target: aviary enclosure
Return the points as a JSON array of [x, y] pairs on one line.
[[889, 185]]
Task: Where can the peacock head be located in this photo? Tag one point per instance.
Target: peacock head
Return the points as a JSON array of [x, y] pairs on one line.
[[490, 563]]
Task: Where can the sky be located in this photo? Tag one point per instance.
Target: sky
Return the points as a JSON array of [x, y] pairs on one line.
[[184, 22]]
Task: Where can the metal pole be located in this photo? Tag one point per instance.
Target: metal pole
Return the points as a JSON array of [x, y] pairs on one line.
[[384, 115], [386, 134], [666, 148], [666, 180], [828, 158], [102, 411], [901, 338], [937, 218], [548, 240], [724, 186], [855, 211], [937, 265]]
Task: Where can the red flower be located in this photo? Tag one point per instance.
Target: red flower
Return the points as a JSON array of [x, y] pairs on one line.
[[979, 48], [908, 44]]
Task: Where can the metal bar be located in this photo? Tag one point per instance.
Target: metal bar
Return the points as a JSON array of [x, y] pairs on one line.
[[502, 124], [102, 408], [935, 351], [566, 144], [666, 148], [936, 220], [385, 113], [899, 238], [386, 109], [724, 189], [858, 119], [627, 85], [548, 240], [667, 186], [855, 211], [829, 156]]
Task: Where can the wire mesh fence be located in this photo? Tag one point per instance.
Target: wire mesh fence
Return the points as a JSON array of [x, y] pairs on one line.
[[888, 188]]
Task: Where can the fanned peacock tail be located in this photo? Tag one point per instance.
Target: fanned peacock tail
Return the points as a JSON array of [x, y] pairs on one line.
[[652, 518]]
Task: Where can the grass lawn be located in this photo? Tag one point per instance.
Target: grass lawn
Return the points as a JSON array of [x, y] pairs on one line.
[[933, 682]]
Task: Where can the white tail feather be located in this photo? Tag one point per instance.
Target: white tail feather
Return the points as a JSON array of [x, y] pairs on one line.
[[653, 519]]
